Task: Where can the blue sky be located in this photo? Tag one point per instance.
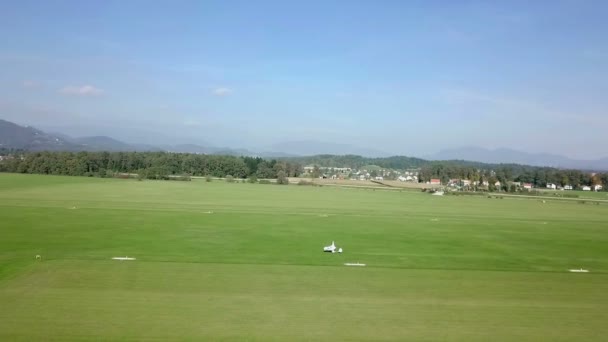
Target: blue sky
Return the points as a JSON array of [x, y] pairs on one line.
[[406, 77]]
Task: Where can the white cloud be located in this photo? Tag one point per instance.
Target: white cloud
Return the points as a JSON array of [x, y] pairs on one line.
[[85, 90], [222, 91]]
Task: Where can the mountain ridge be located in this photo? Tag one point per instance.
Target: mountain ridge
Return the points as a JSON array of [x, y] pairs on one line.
[[312, 147], [511, 156], [29, 138]]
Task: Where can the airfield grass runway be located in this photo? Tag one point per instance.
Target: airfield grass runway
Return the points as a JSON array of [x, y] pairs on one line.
[[219, 261]]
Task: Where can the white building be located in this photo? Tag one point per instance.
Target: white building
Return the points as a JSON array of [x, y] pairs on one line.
[[586, 188], [568, 187], [551, 186], [597, 187]]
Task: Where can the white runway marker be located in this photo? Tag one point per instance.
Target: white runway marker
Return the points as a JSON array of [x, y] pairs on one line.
[[122, 258], [580, 270], [353, 264]]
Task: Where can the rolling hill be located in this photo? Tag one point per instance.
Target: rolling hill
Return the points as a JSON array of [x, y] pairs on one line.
[[29, 138]]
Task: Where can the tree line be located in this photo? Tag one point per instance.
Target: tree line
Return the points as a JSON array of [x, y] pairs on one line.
[[506, 173], [161, 165], [152, 165]]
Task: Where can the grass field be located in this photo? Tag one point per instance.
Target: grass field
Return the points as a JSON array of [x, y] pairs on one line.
[[218, 261], [581, 194]]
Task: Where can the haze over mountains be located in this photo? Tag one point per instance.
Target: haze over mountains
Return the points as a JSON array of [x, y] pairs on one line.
[[505, 155], [30, 138], [313, 147]]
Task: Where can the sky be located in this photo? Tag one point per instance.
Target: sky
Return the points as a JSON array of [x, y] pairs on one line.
[[405, 77]]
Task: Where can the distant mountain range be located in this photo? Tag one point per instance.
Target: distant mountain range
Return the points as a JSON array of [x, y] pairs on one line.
[[311, 147], [32, 139], [506, 156], [29, 138]]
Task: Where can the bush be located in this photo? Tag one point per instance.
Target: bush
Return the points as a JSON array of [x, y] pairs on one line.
[[264, 181], [252, 179], [229, 179], [208, 178]]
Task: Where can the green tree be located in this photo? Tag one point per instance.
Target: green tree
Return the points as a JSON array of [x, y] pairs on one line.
[[282, 178], [316, 172], [265, 171]]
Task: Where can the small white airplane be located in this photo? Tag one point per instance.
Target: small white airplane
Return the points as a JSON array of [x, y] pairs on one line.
[[332, 248]]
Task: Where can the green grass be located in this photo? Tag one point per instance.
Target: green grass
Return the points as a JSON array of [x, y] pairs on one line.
[[439, 268], [581, 194], [371, 168]]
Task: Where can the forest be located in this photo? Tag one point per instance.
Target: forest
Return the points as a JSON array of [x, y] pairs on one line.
[[151, 165]]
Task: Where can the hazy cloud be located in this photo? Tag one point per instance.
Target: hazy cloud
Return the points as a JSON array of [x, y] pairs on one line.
[[222, 91], [85, 90], [595, 54], [192, 123], [343, 94], [35, 114], [31, 84], [517, 109]]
